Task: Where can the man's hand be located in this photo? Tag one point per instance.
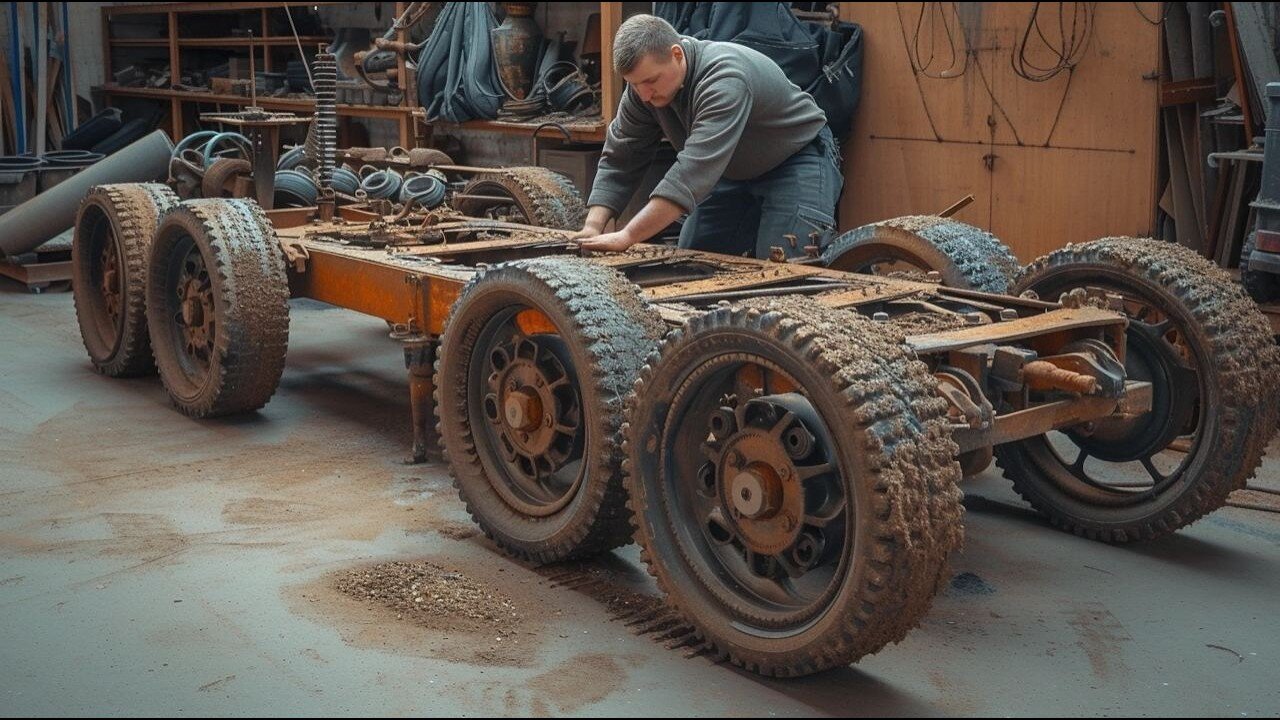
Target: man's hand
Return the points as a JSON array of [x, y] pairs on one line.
[[586, 232], [658, 213], [609, 242], [597, 217]]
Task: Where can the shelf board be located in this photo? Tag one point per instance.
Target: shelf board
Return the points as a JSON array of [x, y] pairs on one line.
[[162, 8], [239, 42], [578, 131], [229, 42], [268, 103], [140, 42], [159, 93]]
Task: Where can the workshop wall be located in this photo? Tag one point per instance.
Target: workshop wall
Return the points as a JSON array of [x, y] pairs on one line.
[[944, 114]]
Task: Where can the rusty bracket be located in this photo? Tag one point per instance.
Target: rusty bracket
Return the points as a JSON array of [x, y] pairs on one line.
[[1038, 420], [1092, 371], [969, 406], [956, 207], [1077, 298], [295, 251], [1046, 375]]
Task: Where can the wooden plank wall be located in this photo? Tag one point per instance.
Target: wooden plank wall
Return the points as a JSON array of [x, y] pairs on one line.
[[1048, 163]]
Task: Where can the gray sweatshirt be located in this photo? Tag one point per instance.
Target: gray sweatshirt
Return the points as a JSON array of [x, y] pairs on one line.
[[737, 116]]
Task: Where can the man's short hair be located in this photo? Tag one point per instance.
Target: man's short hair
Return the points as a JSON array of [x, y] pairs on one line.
[[641, 36]]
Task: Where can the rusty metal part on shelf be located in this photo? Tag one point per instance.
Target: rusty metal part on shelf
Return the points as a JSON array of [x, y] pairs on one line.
[[263, 130]]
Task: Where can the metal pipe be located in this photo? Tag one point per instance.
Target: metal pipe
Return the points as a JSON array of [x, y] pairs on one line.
[[253, 75], [31, 224], [17, 78]]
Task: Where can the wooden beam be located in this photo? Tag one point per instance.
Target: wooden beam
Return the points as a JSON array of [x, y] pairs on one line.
[[39, 65], [1196, 90], [9, 134], [73, 118], [106, 45], [175, 108], [611, 84], [52, 102], [157, 8], [1237, 66]]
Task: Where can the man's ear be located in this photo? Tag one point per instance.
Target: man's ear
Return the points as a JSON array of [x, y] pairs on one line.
[[677, 52]]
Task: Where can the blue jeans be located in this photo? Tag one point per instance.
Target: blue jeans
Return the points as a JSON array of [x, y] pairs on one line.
[[748, 217]]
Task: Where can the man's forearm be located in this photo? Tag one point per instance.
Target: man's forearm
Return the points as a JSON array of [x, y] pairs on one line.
[[597, 217], [652, 219]]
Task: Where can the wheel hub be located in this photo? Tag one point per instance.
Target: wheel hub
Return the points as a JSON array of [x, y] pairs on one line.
[[1152, 359], [192, 308], [756, 492], [525, 408], [759, 489], [110, 279], [195, 316]]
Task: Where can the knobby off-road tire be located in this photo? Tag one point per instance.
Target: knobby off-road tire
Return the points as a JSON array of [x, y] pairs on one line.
[[565, 337], [872, 412], [1209, 353], [113, 231], [218, 307], [967, 257]]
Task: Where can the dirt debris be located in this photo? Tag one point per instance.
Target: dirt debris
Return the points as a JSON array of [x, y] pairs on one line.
[[457, 530], [919, 323], [432, 595]]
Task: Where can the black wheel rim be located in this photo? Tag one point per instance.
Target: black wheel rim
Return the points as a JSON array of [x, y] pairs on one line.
[[526, 414], [193, 327], [111, 283], [886, 261], [106, 280], [776, 555], [886, 264], [1125, 463], [511, 211]]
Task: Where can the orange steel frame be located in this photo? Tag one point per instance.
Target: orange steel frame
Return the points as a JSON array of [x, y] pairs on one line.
[[413, 286]]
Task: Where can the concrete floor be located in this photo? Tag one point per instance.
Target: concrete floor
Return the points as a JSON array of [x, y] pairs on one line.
[[151, 564]]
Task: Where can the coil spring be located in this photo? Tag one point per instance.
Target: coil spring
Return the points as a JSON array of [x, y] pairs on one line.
[[324, 77]]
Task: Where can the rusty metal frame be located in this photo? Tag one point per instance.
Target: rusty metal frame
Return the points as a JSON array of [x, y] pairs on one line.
[[411, 273]]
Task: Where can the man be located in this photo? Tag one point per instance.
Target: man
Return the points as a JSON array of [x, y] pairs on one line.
[[756, 167]]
